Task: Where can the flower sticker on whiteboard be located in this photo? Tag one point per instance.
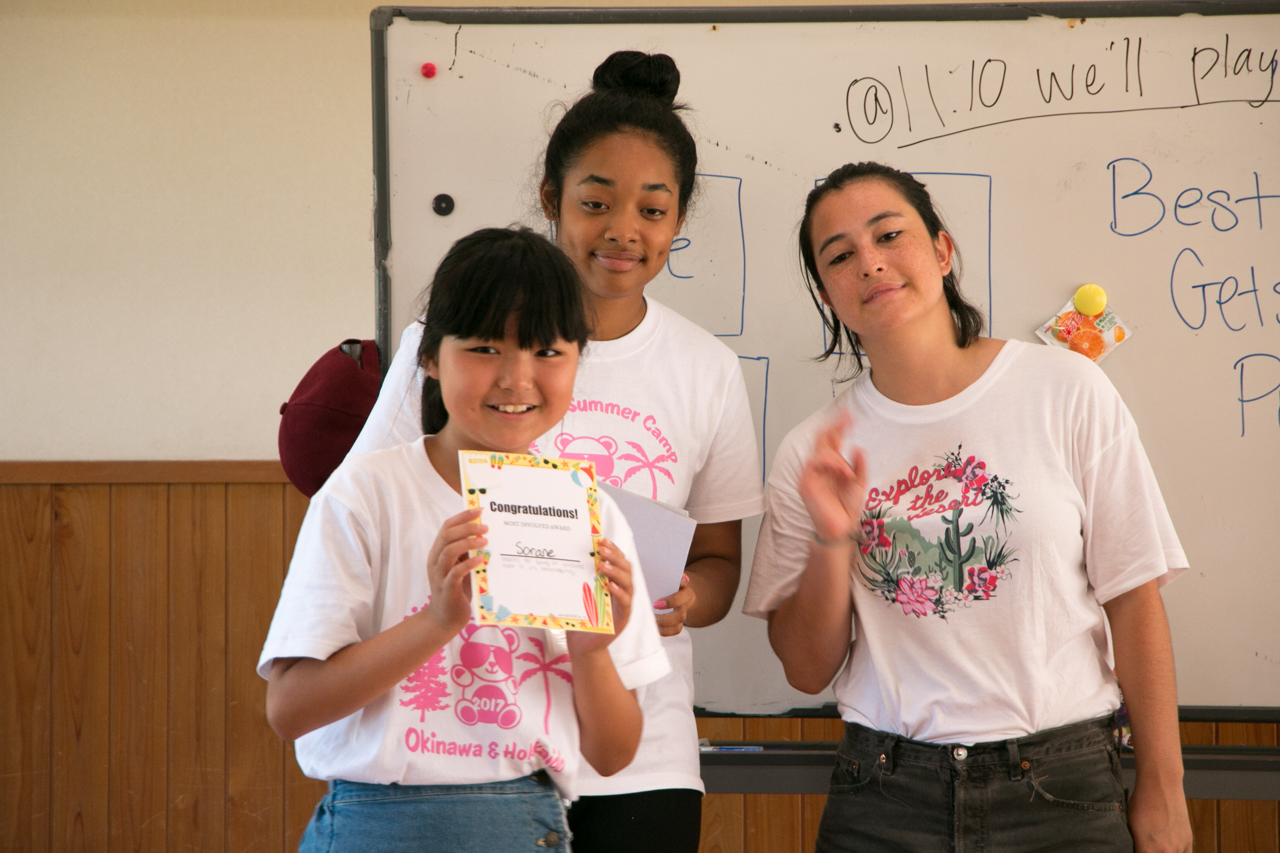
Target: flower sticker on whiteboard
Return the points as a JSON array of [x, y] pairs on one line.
[[540, 569]]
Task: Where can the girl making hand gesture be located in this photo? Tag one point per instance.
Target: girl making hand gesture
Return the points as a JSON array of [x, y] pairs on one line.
[[957, 574]]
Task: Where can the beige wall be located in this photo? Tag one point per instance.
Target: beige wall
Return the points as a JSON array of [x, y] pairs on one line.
[[185, 219]]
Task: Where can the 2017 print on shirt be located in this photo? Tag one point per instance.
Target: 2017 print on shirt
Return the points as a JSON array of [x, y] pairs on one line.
[[921, 551]]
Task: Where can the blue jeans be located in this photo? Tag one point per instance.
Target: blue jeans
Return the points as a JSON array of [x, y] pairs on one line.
[[522, 815], [1055, 790]]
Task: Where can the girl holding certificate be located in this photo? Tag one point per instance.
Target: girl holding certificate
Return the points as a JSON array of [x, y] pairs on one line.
[[956, 571], [438, 733], [659, 405]]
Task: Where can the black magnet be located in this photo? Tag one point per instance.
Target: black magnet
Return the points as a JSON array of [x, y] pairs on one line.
[[442, 204]]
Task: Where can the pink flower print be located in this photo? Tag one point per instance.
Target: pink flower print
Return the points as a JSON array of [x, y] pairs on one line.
[[982, 582], [975, 478], [972, 475], [916, 596], [873, 535]]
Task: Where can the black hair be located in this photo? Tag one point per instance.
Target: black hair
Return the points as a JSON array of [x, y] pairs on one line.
[[631, 91], [484, 279], [967, 318]]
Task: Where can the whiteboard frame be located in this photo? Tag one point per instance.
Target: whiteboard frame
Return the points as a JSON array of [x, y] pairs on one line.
[[382, 17]]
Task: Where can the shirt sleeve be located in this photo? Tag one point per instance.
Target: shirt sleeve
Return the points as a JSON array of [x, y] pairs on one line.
[[637, 652], [1129, 537], [397, 414], [729, 485], [327, 599], [782, 550]]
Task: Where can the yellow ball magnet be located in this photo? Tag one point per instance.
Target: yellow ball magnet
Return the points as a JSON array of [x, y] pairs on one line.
[[1091, 300]]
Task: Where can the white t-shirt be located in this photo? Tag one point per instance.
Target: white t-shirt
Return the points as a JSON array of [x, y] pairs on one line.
[[663, 412], [494, 703], [1038, 469]]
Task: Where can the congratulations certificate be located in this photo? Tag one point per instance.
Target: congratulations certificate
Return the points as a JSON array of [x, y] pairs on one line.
[[539, 570]]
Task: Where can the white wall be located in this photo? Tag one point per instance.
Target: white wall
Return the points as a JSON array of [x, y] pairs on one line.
[[185, 219]]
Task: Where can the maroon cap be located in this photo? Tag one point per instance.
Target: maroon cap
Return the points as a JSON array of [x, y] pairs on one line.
[[326, 412]]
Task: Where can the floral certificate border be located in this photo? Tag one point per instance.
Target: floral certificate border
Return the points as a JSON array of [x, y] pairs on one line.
[[596, 599]]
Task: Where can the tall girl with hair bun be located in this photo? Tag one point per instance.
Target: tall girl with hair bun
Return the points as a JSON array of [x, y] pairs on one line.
[[659, 404]]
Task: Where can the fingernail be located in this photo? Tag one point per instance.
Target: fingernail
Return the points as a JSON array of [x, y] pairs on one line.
[[660, 605]]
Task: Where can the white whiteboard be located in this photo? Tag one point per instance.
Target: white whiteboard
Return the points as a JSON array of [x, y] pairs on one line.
[[1060, 152]]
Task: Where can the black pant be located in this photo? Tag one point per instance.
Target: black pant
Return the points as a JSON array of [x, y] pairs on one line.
[[669, 820], [1056, 790]]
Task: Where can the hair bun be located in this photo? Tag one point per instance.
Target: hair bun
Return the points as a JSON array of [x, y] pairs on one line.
[[642, 73]]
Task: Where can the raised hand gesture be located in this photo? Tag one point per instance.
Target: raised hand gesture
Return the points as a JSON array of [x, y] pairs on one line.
[[832, 487]]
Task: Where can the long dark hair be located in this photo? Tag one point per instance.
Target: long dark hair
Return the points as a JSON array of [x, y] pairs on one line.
[[485, 278], [631, 91], [967, 318]]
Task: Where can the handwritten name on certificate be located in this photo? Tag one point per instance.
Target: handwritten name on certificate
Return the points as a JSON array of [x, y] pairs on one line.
[[539, 569]]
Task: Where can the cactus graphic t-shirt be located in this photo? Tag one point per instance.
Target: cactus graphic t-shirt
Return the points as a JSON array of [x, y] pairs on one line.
[[494, 703], [662, 412], [996, 524]]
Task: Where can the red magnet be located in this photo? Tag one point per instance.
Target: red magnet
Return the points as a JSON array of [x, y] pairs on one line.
[[428, 69]]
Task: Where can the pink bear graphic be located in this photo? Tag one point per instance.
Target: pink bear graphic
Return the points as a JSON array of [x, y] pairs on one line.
[[596, 450], [486, 661]]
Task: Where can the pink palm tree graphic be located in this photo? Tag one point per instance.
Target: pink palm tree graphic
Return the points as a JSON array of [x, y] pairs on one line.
[[545, 667], [644, 463]]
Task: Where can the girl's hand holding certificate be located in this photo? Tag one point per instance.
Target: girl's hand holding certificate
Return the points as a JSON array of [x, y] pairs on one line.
[[614, 566], [449, 569]]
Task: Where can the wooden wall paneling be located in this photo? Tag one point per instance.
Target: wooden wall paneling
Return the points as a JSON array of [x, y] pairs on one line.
[[81, 667], [197, 667], [139, 668], [1204, 813], [772, 728], [300, 792], [723, 820], [774, 822], [811, 805], [255, 756], [118, 471], [1248, 825], [26, 666]]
